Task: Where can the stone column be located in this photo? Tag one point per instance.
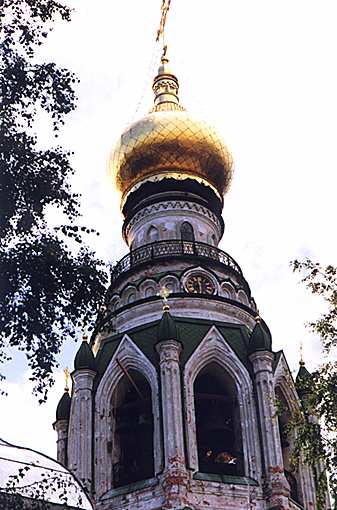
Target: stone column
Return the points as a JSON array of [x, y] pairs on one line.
[[277, 487], [61, 427], [175, 474], [80, 427], [307, 486]]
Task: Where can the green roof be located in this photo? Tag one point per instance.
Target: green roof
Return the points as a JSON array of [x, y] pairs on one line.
[[190, 334], [84, 358], [260, 339], [63, 407], [167, 327]]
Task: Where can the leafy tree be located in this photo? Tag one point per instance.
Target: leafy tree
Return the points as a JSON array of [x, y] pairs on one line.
[[23, 493], [47, 287], [316, 426]]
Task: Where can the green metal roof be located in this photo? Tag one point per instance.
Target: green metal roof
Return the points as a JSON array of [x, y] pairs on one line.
[[190, 333]]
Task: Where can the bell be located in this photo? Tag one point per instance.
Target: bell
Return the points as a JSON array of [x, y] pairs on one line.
[[145, 419]]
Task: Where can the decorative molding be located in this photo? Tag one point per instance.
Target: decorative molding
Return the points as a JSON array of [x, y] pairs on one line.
[[176, 284], [172, 205]]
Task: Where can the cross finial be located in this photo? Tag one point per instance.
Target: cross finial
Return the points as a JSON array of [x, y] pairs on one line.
[[164, 294], [67, 378], [84, 331], [161, 30], [301, 354]]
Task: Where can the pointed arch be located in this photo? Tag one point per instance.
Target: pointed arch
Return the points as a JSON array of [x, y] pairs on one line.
[[131, 358], [214, 349]]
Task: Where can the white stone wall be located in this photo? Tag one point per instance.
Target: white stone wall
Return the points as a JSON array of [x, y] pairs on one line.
[[163, 221], [143, 313], [61, 427], [174, 486], [80, 452]]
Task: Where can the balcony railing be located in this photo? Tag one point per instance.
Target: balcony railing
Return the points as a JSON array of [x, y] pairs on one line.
[[172, 248]]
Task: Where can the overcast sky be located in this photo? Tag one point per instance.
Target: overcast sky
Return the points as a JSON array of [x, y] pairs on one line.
[[264, 72]]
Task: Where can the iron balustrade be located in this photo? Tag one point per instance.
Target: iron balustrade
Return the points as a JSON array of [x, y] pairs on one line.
[[171, 248]]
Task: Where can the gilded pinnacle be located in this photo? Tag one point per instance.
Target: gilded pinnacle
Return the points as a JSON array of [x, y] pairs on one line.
[[165, 87], [301, 362], [164, 294], [67, 378]]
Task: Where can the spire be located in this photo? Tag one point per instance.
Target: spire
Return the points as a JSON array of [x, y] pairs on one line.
[[303, 376], [167, 328], [63, 407], [84, 358], [303, 381], [260, 339]]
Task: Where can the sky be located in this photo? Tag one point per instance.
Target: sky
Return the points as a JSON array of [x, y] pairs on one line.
[[264, 73]]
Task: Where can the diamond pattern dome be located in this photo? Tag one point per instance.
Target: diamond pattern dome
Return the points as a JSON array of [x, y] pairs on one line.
[[169, 143]]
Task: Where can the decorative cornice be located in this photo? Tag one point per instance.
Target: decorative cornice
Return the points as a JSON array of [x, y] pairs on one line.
[[171, 205]]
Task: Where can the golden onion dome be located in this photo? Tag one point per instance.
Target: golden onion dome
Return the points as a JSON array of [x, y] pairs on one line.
[[169, 143]]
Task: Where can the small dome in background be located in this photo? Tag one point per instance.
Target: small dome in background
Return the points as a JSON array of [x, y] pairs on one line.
[[303, 380], [63, 407]]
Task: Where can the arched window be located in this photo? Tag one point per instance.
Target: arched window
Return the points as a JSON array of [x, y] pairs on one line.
[[132, 445], [152, 234], [186, 231], [286, 445], [218, 427]]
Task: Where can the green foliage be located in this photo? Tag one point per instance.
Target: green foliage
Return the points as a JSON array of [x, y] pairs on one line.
[[316, 425], [323, 282], [46, 287]]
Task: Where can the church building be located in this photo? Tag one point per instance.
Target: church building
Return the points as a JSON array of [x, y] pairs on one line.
[[178, 400]]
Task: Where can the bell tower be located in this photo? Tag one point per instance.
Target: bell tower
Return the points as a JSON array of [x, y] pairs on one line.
[[174, 398]]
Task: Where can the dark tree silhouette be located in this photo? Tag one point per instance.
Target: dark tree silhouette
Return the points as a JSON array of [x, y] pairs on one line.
[[46, 287]]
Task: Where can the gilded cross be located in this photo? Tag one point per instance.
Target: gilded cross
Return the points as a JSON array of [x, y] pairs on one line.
[[301, 353], [67, 378], [164, 294], [161, 30]]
